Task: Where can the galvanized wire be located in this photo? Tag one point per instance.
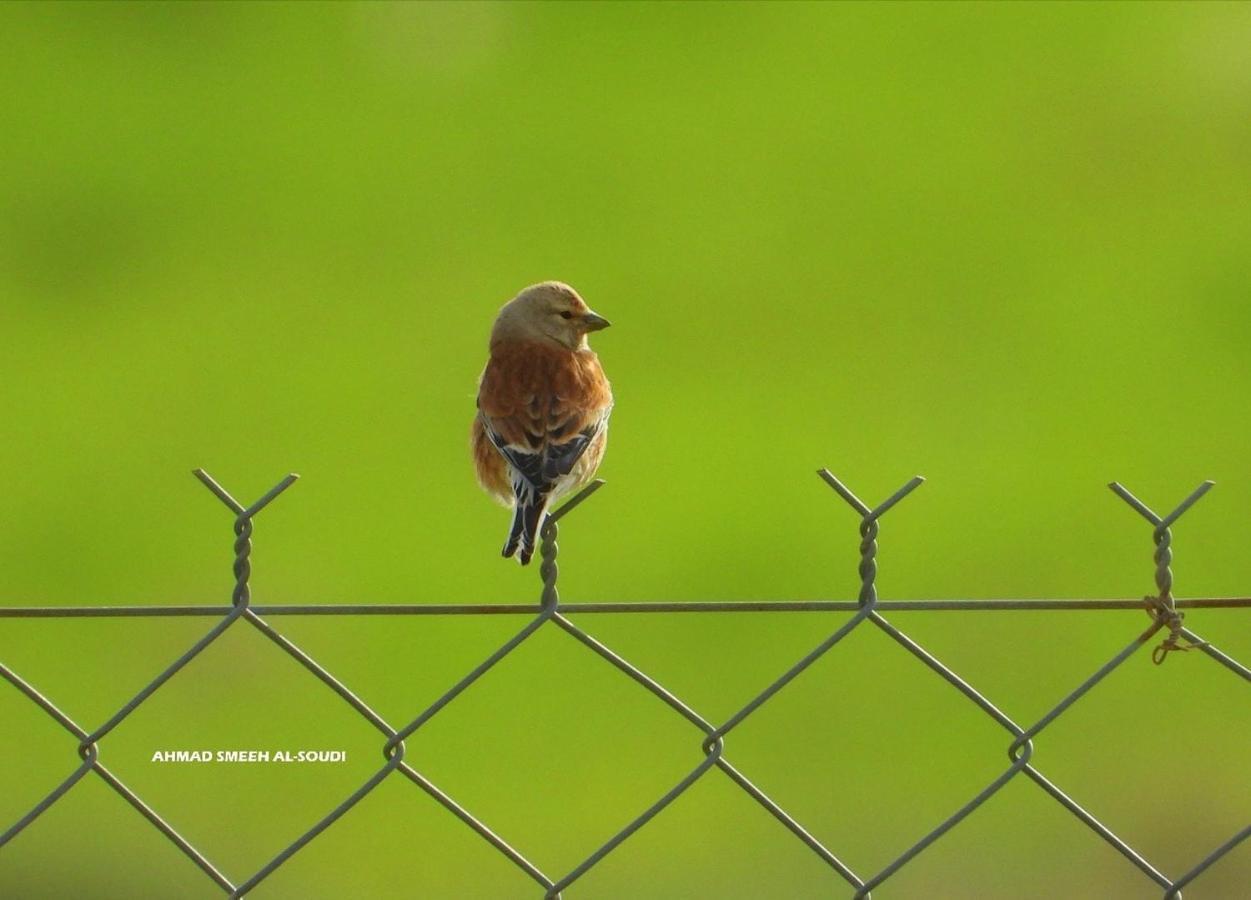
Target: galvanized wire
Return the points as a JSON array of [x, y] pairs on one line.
[[1166, 612]]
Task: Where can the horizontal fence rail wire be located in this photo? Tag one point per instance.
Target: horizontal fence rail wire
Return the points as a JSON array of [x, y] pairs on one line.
[[1167, 622]]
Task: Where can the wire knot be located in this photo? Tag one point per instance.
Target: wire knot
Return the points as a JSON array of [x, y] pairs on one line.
[[1162, 610], [548, 570]]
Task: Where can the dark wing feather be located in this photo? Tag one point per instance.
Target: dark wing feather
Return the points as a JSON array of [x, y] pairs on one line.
[[550, 461]]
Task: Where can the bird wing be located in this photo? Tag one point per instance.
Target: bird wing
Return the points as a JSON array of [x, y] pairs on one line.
[[550, 451], [542, 413]]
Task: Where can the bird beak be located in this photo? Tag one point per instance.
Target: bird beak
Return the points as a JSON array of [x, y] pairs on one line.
[[594, 322]]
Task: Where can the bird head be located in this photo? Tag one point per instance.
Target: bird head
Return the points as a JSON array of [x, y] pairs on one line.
[[547, 312]]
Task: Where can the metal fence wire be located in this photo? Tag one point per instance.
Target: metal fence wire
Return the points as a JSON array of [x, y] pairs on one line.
[[1166, 623]]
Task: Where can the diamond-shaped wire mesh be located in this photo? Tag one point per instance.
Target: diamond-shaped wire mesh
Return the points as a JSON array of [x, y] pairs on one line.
[[1166, 617]]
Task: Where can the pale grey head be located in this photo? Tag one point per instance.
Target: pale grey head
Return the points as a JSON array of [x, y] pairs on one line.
[[550, 311]]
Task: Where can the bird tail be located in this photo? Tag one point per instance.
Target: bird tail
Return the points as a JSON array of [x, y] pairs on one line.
[[527, 520]]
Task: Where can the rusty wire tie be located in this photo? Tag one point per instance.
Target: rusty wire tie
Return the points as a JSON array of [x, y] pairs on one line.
[[1161, 607]]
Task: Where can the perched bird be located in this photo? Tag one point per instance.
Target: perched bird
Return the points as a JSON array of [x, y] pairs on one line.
[[543, 405]]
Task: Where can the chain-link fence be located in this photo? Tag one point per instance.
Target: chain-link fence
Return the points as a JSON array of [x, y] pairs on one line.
[[1166, 619]]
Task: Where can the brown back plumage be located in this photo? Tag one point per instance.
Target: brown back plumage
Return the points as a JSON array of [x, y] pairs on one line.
[[543, 406]]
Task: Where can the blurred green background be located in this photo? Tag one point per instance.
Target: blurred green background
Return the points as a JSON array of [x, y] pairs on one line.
[[1004, 246]]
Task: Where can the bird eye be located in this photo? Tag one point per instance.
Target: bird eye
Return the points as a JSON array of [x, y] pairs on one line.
[[566, 315]]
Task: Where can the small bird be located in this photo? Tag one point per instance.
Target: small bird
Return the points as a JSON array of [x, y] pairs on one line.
[[543, 406]]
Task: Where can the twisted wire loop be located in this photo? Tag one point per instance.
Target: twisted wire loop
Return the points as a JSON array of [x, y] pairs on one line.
[[548, 570], [868, 562], [1168, 616], [242, 594], [1163, 557], [1162, 607]]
